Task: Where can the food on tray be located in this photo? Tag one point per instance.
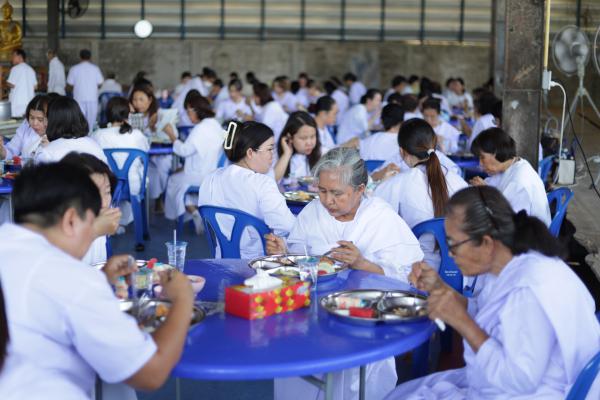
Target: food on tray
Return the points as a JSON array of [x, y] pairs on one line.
[[326, 265], [362, 312], [301, 195], [407, 311], [347, 302], [161, 310]]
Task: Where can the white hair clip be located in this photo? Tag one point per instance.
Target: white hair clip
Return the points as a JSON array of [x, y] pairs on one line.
[[231, 129], [430, 152]]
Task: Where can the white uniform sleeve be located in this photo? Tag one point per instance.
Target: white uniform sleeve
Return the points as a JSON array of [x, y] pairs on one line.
[[184, 149], [71, 76], [15, 146], [518, 197], [298, 236], [13, 76], [389, 191], [516, 362], [109, 340], [275, 211]]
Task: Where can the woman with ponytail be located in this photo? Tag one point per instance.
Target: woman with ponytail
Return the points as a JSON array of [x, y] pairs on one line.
[[530, 330], [422, 191], [244, 184]]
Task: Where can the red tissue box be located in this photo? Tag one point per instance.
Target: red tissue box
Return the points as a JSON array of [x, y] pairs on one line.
[[241, 301]]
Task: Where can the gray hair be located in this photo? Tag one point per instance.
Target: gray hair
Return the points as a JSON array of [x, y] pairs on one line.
[[351, 167]]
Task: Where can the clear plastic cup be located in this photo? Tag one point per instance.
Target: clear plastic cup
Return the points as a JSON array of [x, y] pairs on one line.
[[309, 266], [176, 254]]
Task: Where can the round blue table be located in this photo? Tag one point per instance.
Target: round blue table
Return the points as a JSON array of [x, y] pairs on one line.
[[160, 149], [304, 342]]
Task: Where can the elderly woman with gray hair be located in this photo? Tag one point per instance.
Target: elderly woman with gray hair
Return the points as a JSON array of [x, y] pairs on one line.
[[364, 232]]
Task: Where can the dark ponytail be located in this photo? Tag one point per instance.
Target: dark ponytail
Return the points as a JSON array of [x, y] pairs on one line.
[[487, 212], [117, 110], [417, 138], [4, 337]]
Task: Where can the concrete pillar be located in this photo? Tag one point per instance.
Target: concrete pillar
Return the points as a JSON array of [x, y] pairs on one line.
[[497, 45], [522, 94], [53, 24]]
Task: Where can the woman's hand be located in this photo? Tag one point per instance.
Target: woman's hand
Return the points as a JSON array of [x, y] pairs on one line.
[[275, 244], [384, 173], [347, 253], [448, 305], [287, 147], [176, 286], [424, 278], [478, 181], [117, 266], [107, 222]]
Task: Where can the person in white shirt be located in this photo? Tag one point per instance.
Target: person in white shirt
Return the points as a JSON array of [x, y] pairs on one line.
[[512, 175], [186, 76], [201, 150], [67, 131], [299, 147], [410, 103], [421, 192], [107, 221], [484, 116], [326, 110], [361, 118], [158, 125], [364, 232], [244, 185], [235, 107], [356, 89], [447, 135], [84, 79], [398, 85], [218, 94], [282, 95], [110, 85], [458, 97], [22, 82], [267, 110], [56, 74], [202, 83], [303, 97], [522, 340], [382, 145], [340, 97], [59, 307], [31, 134]]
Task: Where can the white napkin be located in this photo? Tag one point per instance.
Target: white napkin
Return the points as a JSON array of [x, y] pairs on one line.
[[262, 281]]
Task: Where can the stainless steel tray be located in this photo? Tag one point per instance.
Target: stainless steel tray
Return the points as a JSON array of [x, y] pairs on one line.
[[389, 307], [286, 265], [150, 316], [300, 196]]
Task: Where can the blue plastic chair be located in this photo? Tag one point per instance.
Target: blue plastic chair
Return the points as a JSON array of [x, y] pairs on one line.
[[103, 102], [184, 131], [138, 202], [545, 166], [561, 197], [229, 248], [585, 380], [372, 165]]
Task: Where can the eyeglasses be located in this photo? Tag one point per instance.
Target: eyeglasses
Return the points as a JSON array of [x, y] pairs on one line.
[[453, 246], [271, 150]]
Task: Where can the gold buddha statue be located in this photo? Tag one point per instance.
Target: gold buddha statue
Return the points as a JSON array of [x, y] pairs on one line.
[[11, 33]]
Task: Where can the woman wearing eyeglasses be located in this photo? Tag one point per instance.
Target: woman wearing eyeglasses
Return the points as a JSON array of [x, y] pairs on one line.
[[512, 175], [530, 330], [201, 151], [244, 184], [31, 135]]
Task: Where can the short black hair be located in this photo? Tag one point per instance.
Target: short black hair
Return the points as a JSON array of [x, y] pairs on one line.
[[412, 79], [85, 54], [433, 104], [43, 193], [398, 80], [324, 103], [484, 104], [189, 96], [370, 95], [186, 74], [409, 102], [236, 83], [92, 164], [497, 142], [395, 98], [392, 115], [38, 103], [65, 119], [349, 76], [201, 107], [20, 52], [262, 91]]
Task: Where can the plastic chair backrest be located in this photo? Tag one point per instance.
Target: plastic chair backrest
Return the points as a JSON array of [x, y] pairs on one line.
[[229, 248], [122, 173], [545, 166], [184, 131], [561, 196], [222, 160], [449, 272], [372, 165], [585, 379]]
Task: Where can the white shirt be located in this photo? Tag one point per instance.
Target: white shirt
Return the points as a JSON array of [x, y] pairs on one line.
[[410, 115], [377, 230], [110, 138], [524, 190], [444, 160], [458, 101], [194, 83], [287, 100], [273, 115], [342, 101], [23, 78], [110, 86], [56, 77], [227, 110], [484, 122], [57, 149], [85, 78], [447, 137], [64, 321], [202, 148], [409, 193], [379, 146], [25, 143], [257, 194], [356, 91], [222, 96], [326, 138], [355, 123]]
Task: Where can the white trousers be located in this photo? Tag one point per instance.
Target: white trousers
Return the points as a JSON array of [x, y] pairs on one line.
[[90, 111], [177, 185]]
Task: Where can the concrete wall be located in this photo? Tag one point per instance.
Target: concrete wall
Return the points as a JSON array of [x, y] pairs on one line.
[[374, 62]]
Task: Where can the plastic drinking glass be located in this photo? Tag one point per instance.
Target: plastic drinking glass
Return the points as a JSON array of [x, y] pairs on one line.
[[310, 267], [176, 254]]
